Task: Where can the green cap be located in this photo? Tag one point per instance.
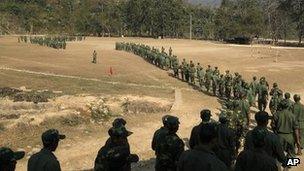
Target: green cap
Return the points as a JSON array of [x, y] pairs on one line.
[[119, 122], [119, 132], [51, 135], [7, 155], [172, 121]]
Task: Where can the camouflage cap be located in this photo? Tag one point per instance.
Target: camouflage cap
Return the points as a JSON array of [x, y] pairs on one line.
[[172, 121], [287, 95], [119, 122], [119, 132], [51, 135], [7, 155]]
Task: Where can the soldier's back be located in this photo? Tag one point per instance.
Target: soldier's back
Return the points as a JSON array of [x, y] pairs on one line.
[[199, 159], [44, 160], [253, 160]]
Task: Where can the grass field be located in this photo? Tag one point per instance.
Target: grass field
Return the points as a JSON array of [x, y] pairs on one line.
[[70, 71]]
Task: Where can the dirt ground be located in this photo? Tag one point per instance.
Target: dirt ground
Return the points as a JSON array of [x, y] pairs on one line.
[[70, 71]]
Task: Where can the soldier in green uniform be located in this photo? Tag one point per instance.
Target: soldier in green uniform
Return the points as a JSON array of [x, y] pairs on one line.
[[290, 102], [94, 60], [221, 84], [167, 62], [175, 66], [115, 154], [8, 158], [192, 73], [169, 148], [194, 137], [208, 78], [202, 157], [275, 92], [287, 127], [262, 95], [45, 159], [215, 80], [170, 51], [183, 69], [226, 147], [273, 146], [200, 76], [257, 158], [187, 73], [244, 108], [298, 111], [228, 84]]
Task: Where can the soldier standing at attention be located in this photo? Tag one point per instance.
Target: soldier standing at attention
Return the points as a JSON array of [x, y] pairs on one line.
[[262, 95], [226, 147], [115, 154], [175, 66], [287, 127], [257, 158], [200, 76], [94, 60], [221, 84], [183, 69], [170, 51], [273, 146], [192, 73], [194, 137], [169, 147], [202, 157], [228, 84], [298, 111], [45, 159], [208, 78], [8, 158]]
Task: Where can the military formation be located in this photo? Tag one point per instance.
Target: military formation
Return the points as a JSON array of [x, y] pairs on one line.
[[212, 145], [56, 42]]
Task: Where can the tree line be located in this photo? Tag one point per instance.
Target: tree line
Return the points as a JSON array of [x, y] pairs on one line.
[[275, 19]]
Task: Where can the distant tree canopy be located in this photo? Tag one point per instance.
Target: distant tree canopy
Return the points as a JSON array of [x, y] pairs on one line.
[[276, 19]]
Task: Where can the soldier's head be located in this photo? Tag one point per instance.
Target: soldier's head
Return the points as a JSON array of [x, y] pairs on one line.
[[296, 98], [254, 78], [221, 75], [258, 137], [119, 135], [275, 85], [227, 71], [262, 118], [191, 61], [119, 122], [284, 104], [287, 95], [208, 134], [209, 66], [164, 120], [172, 124], [236, 74], [8, 158], [50, 139], [184, 59], [205, 115], [198, 64]]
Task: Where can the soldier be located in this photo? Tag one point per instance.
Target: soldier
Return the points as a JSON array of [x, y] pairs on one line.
[[8, 158], [215, 80], [169, 148], [45, 159], [273, 146], [167, 62], [115, 155], [244, 108], [202, 156], [160, 133], [290, 103], [200, 76], [192, 73], [228, 84], [275, 92], [194, 137], [262, 95], [94, 61], [170, 51], [287, 127], [221, 84], [187, 72], [257, 158], [175, 66], [298, 111], [208, 78], [162, 49], [183, 69], [226, 147], [198, 68]]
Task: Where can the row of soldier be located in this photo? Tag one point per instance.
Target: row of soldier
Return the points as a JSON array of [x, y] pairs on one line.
[[56, 42], [239, 96]]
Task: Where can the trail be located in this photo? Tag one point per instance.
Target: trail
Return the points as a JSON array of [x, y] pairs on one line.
[[92, 79]]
